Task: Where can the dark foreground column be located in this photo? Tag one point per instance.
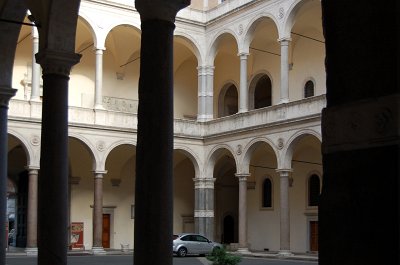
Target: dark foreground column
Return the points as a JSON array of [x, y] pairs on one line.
[[53, 181], [153, 196], [359, 206], [5, 95]]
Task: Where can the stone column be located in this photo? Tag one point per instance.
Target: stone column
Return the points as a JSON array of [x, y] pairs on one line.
[[5, 95], [284, 70], [243, 247], [35, 91], [209, 95], [284, 213], [97, 247], [154, 183], [206, 93], [53, 181], [244, 93], [98, 101], [204, 206], [201, 103], [31, 235]]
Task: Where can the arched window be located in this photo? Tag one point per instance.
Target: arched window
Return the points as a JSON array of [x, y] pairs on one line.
[[262, 93], [313, 190], [309, 89], [229, 101], [267, 193]]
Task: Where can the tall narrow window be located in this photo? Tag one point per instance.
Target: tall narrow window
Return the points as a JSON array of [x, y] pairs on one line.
[[313, 190], [309, 89], [267, 193]]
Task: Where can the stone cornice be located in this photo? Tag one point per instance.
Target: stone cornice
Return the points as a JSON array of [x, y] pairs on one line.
[[165, 10], [6, 94], [55, 62]]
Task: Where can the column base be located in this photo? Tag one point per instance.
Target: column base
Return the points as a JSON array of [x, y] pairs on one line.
[[243, 250], [31, 251], [284, 100], [284, 253], [98, 251]]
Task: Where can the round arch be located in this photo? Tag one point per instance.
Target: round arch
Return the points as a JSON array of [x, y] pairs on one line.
[[215, 42], [215, 154], [87, 145], [192, 156], [222, 98], [287, 152], [189, 42], [253, 84], [29, 152], [249, 150], [252, 26], [88, 23], [293, 11]]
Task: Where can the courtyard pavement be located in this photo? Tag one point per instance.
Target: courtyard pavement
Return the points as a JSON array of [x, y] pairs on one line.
[[20, 252]]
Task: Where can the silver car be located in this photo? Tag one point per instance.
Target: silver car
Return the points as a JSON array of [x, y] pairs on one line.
[[188, 244]]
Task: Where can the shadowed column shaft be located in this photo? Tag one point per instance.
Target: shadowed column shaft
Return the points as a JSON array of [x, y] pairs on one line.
[[53, 181], [5, 95], [153, 196]]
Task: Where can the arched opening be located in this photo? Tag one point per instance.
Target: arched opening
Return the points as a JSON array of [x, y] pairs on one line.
[[228, 101], [183, 173], [263, 92], [119, 196], [17, 195], [309, 89], [226, 198]]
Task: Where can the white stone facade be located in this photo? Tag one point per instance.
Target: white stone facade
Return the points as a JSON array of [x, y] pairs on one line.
[[260, 142]]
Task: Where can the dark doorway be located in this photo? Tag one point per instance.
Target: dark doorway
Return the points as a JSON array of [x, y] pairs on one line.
[[229, 230], [21, 211]]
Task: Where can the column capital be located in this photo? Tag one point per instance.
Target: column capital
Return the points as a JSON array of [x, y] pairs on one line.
[[284, 172], [242, 176], [33, 169], [160, 9], [55, 62], [204, 183], [98, 174], [243, 55], [6, 94], [285, 40], [99, 51]]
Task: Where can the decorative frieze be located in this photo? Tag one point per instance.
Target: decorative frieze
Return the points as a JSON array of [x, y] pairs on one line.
[[359, 125]]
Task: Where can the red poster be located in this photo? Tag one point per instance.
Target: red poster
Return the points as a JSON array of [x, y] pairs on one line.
[[77, 235]]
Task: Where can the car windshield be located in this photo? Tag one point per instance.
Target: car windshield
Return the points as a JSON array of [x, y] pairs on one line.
[[174, 237]]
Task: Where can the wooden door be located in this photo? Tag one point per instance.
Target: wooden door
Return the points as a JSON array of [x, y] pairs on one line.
[[106, 230], [313, 235]]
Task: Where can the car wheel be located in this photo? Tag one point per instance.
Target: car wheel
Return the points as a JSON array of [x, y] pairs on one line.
[[182, 252]]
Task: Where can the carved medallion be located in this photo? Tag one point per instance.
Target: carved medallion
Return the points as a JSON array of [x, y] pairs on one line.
[[101, 145], [35, 140], [239, 149], [281, 143]]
